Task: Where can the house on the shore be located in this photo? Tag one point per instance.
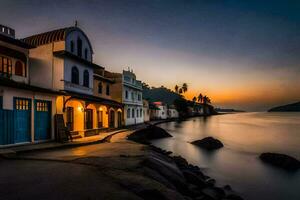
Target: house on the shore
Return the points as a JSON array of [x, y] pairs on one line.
[[159, 110], [26, 107], [63, 61], [172, 112], [146, 110], [128, 91]]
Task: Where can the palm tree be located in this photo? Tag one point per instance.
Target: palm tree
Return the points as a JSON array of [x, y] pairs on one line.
[[208, 100], [204, 100], [200, 98], [184, 87], [194, 99], [176, 88], [180, 91]]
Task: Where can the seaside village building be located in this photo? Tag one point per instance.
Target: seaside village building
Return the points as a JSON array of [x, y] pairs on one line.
[[172, 112], [26, 109], [146, 110], [160, 110], [65, 59], [128, 91], [53, 73]]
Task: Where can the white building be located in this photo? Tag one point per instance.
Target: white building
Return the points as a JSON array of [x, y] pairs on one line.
[[63, 61], [128, 91], [172, 112], [161, 112]]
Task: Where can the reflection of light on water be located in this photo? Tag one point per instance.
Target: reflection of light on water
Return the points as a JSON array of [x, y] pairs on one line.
[[245, 136]]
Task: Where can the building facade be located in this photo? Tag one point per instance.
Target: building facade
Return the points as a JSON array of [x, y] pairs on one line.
[[128, 91], [160, 111], [63, 61], [172, 112], [26, 109], [146, 110]]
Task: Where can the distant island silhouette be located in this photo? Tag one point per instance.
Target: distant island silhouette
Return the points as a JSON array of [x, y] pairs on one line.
[[294, 107], [228, 110]]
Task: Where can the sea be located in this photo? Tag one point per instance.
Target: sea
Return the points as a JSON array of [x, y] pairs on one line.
[[245, 136]]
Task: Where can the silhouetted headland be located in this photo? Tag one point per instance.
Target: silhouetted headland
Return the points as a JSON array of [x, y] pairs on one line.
[[294, 107]]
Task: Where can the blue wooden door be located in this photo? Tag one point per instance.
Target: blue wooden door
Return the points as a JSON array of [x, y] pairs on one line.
[[42, 120], [22, 109]]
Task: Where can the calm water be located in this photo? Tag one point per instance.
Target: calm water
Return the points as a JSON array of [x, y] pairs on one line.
[[244, 136]]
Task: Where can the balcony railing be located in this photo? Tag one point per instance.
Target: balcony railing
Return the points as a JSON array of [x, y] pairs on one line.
[[77, 86], [132, 82]]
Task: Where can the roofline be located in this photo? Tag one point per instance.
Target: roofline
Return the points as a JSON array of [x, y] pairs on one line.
[[99, 77], [66, 31], [16, 42]]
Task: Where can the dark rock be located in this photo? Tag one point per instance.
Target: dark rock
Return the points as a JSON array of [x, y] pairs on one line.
[[149, 133], [154, 194], [193, 178], [181, 162], [233, 197], [214, 193], [168, 170], [158, 177], [280, 160], [206, 177], [208, 143], [227, 187], [151, 194], [210, 182], [194, 190], [202, 197]]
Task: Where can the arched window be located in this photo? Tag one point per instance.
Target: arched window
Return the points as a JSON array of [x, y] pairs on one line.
[[72, 46], [19, 68], [75, 75], [137, 113], [86, 78], [85, 53], [132, 113], [126, 94], [100, 87], [141, 113], [79, 47], [128, 113], [107, 90]]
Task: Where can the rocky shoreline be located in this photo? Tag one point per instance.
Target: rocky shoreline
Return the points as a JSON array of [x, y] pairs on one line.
[[182, 180]]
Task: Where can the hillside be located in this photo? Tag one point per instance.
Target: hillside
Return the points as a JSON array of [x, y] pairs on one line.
[[160, 94], [294, 107]]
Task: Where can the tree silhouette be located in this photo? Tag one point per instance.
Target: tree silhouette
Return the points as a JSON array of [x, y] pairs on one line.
[[180, 91], [176, 88], [200, 98], [194, 99], [184, 87]]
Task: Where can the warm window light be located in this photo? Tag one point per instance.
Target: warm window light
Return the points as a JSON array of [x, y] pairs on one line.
[[100, 109], [80, 108]]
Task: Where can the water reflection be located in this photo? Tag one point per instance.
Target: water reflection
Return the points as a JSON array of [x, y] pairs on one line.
[[244, 136]]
